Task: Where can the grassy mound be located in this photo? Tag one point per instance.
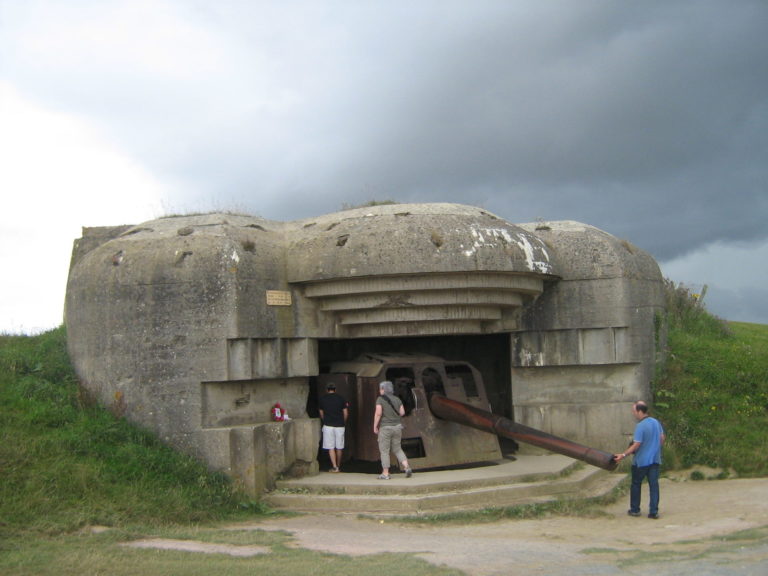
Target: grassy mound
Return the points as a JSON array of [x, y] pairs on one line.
[[713, 396], [67, 463]]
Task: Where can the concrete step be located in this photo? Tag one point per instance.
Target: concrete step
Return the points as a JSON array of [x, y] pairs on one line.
[[527, 479]]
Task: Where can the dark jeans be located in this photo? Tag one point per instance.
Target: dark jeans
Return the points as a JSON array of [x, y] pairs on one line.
[[639, 473]]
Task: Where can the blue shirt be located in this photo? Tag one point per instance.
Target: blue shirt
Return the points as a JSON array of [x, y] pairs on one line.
[[648, 432]]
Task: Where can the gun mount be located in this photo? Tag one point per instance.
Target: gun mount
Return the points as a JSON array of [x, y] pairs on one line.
[[448, 419]]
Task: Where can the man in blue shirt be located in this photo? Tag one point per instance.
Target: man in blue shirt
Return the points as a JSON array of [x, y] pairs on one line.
[[646, 447]]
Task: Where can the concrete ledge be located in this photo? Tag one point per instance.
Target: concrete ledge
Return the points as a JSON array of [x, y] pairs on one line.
[[506, 483]]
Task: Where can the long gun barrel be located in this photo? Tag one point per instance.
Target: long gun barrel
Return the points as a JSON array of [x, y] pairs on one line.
[[462, 413]]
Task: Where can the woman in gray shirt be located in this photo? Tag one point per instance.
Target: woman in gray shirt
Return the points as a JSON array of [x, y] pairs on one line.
[[386, 424]]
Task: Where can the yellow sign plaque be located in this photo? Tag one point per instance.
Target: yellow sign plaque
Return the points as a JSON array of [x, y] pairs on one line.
[[278, 298]]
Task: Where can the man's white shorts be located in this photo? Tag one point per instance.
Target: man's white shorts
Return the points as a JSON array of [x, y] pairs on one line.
[[333, 437]]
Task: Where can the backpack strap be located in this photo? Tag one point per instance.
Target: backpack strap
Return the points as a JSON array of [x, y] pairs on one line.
[[389, 401]]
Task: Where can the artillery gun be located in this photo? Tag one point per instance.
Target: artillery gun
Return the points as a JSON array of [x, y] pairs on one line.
[[448, 421]]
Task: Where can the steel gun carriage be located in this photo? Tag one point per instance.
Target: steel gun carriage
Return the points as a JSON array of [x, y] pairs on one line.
[[448, 420]]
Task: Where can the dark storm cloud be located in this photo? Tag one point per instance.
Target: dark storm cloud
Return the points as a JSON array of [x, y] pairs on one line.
[[745, 304], [649, 120], [650, 123]]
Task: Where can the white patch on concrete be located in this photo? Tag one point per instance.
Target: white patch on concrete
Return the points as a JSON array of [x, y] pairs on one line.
[[235, 256], [529, 358], [534, 265], [492, 236]]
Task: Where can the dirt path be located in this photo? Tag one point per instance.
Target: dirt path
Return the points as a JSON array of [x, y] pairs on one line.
[[695, 535]]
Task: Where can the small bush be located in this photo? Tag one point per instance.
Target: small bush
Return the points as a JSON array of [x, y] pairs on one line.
[[686, 311]]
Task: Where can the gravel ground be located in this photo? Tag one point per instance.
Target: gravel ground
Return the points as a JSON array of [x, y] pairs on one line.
[[706, 528]]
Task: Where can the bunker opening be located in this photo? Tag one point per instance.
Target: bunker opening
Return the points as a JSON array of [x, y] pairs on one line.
[[417, 368], [449, 417]]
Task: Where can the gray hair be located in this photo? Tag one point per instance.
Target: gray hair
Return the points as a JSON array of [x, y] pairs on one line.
[[387, 386]]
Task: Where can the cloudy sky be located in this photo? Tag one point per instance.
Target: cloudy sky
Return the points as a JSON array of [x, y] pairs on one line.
[[646, 119]]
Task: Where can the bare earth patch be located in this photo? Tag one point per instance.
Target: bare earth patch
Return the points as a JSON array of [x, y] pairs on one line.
[[194, 546]]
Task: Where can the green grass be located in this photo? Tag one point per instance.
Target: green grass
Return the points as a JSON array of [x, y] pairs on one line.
[[66, 463], [713, 397]]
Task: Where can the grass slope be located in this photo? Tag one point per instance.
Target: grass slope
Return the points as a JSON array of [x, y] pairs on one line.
[[67, 463], [713, 395], [713, 400]]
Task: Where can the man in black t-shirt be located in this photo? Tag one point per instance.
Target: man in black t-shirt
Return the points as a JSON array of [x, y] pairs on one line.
[[334, 411]]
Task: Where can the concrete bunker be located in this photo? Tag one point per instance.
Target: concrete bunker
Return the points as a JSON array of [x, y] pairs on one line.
[[195, 326]]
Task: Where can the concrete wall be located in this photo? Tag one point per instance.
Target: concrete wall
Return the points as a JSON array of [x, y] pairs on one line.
[[155, 316], [590, 343], [193, 327]]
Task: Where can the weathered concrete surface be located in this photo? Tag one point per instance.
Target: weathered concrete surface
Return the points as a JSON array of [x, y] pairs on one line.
[[591, 343], [409, 239], [528, 479], [194, 324]]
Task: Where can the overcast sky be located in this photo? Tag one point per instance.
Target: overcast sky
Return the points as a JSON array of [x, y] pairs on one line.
[[646, 119]]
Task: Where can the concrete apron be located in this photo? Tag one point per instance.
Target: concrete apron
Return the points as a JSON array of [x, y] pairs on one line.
[[526, 479]]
